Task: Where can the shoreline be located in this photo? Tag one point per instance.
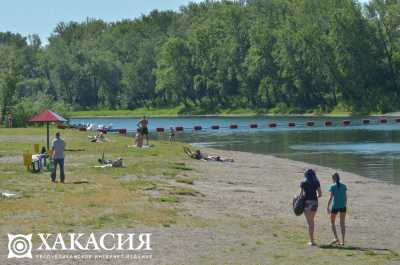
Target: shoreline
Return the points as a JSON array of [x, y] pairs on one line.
[[339, 115]]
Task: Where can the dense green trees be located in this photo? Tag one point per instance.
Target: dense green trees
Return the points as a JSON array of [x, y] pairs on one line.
[[270, 55]]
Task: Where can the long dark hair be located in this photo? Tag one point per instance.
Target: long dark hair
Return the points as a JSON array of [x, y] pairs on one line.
[[310, 176], [336, 178]]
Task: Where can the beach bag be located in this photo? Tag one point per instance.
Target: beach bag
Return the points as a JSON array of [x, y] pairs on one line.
[[50, 166], [118, 163], [298, 205]]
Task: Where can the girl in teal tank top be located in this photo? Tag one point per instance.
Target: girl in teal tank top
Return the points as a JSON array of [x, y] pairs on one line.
[[337, 204]]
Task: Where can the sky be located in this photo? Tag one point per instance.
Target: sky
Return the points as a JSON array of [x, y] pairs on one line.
[[41, 16]]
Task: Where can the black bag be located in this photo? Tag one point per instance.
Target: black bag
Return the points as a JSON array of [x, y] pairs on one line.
[[298, 205]]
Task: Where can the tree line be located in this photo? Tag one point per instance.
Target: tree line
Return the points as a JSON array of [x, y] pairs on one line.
[[269, 55]]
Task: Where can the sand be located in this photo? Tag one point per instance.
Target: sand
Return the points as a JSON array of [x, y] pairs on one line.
[[243, 216]]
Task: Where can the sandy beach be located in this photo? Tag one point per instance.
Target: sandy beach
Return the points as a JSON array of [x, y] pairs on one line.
[[249, 204]]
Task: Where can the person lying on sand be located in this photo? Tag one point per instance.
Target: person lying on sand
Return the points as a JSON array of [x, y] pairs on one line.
[[198, 155]]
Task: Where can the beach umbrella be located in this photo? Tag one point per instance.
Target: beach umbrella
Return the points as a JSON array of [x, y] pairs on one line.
[[47, 116]]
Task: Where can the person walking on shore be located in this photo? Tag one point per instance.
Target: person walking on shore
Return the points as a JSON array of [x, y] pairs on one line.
[[338, 201], [9, 120], [311, 190], [143, 125], [58, 147]]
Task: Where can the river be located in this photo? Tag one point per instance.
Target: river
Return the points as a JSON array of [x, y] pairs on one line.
[[371, 150]]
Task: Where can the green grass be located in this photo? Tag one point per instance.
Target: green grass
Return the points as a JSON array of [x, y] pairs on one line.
[[282, 109], [92, 197], [127, 113], [178, 111]]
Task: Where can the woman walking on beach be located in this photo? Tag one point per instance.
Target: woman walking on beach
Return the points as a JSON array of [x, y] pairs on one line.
[[338, 199], [311, 190]]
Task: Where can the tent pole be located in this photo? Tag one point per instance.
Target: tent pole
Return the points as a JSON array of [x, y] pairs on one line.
[[48, 133]]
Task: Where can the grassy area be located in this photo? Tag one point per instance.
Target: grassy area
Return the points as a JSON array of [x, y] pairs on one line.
[[126, 113], [167, 112], [143, 192], [181, 110]]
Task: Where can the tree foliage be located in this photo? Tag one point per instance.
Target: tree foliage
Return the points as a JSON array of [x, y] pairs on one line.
[[270, 55]]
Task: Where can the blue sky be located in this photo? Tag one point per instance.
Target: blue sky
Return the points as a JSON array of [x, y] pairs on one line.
[[41, 16]]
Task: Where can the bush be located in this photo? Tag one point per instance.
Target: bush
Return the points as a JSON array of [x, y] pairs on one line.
[[29, 106]]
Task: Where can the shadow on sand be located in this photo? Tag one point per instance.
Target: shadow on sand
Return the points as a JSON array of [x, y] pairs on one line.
[[368, 251], [78, 182]]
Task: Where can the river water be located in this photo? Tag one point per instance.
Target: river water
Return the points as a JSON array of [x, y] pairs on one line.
[[371, 150]]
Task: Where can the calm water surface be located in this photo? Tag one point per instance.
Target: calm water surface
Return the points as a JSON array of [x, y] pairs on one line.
[[369, 150]]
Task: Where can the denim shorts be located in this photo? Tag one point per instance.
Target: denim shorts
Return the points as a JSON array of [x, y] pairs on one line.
[[311, 205]]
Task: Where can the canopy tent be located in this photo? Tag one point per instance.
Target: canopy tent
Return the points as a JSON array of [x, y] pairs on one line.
[[47, 116]]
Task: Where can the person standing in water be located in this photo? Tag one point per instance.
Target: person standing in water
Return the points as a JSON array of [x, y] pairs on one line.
[[311, 191], [143, 125], [338, 201]]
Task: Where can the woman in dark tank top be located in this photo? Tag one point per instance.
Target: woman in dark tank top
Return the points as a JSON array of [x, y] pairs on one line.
[[311, 190]]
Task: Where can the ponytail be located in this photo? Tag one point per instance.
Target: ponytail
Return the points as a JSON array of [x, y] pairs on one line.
[[337, 179]]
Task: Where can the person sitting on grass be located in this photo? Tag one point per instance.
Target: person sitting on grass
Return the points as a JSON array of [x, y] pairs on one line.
[[198, 155], [98, 138], [139, 138], [338, 201]]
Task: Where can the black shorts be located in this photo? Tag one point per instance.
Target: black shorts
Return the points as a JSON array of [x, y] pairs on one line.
[[339, 210], [145, 131]]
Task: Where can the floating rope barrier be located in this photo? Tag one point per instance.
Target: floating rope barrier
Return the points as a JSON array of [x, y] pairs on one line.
[[326, 123]]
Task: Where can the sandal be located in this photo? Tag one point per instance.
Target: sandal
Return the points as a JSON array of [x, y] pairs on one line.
[[334, 242]]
